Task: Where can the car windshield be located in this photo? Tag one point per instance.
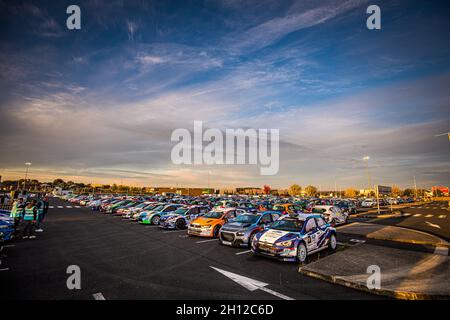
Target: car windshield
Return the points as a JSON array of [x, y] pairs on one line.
[[141, 205], [246, 218], [292, 225], [181, 211], [213, 215], [158, 208]]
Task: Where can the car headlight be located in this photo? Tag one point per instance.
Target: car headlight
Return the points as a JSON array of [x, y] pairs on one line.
[[287, 243], [240, 233]]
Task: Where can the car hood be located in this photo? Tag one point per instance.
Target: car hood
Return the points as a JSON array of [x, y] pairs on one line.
[[236, 225], [202, 221], [272, 236]]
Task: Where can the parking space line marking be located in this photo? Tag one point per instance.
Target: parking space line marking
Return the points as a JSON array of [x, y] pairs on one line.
[[60, 207], [442, 216], [98, 296], [77, 207], [203, 241], [417, 215], [69, 207], [9, 246], [429, 216], [242, 252], [4, 269], [432, 225], [443, 251]]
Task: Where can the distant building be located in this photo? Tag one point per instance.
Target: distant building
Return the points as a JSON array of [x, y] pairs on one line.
[[440, 189]]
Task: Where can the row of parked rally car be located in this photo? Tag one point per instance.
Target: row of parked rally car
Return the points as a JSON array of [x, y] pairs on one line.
[[287, 231]]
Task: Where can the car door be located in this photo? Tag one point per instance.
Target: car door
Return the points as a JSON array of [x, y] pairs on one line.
[[311, 238], [321, 231]]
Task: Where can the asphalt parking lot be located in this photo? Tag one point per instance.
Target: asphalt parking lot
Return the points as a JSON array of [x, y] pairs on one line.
[[432, 217], [124, 260]]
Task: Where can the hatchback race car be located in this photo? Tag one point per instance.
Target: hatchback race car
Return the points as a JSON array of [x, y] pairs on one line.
[[333, 214], [182, 217], [153, 217], [209, 225], [241, 231], [295, 238]]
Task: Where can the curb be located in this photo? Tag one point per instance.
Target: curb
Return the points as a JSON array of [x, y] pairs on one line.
[[397, 294], [414, 242]]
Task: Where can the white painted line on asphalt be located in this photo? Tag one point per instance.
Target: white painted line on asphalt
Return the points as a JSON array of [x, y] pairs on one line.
[[251, 284], [77, 207], [429, 216], [203, 241], [277, 294], [4, 269], [442, 216], [50, 207], [243, 252], [69, 207], [407, 214], [98, 296], [60, 207], [443, 251], [433, 225], [417, 215]]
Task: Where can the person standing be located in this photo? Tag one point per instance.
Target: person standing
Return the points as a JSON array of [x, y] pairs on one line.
[[43, 209], [29, 217], [17, 212]]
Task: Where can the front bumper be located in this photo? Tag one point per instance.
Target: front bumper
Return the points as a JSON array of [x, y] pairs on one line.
[[231, 238], [275, 252], [200, 232]]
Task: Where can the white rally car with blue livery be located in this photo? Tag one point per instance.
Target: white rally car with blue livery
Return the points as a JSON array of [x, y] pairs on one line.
[[295, 238]]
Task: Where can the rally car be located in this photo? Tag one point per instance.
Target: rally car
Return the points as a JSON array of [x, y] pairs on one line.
[[333, 214], [182, 217], [209, 225], [6, 226], [153, 217], [242, 230], [295, 238], [287, 208]]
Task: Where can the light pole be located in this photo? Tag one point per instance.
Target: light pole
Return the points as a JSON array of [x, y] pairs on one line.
[[27, 164], [366, 160]]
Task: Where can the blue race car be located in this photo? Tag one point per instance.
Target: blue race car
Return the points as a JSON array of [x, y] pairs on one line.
[[242, 230], [6, 226], [295, 238], [182, 217]]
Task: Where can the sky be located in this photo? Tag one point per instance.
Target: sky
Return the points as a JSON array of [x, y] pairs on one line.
[[98, 105]]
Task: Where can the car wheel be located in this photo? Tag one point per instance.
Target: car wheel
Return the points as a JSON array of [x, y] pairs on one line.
[[302, 253], [155, 220], [250, 239], [216, 232], [332, 244], [180, 224]]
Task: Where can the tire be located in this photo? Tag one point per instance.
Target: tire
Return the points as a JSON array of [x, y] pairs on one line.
[[180, 224], [155, 220], [216, 231], [302, 253], [250, 239], [332, 244]]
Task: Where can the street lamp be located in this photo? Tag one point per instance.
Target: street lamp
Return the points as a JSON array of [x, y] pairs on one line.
[[27, 164], [366, 160]]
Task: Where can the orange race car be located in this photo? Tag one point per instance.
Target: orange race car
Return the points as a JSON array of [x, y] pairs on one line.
[[209, 224], [287, 208]]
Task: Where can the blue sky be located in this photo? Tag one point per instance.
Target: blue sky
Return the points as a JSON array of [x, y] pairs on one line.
[[99, 104]]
